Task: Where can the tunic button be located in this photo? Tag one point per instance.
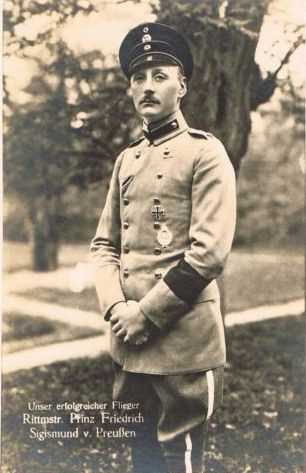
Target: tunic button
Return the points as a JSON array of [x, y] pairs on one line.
[[156, 200], [159, 175], [126, 201], [126, 225], [158, 275], [126, 273], [137, 155], [156, 225], [126, 249], [157, 251]]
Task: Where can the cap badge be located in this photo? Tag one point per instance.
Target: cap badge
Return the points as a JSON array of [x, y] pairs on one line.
[[146, 29], [147, 47], [146, 38]]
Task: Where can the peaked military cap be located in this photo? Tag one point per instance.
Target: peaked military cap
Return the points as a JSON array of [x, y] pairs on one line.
[[154, 43]]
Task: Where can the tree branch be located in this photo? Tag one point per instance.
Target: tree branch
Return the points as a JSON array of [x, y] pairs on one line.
[[267, 86], [299, 41]]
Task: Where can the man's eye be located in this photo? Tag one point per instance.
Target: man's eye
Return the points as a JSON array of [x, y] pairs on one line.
[[138, 78], [160, 77]]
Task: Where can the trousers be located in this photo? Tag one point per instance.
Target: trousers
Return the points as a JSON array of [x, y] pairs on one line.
[[176, 411]]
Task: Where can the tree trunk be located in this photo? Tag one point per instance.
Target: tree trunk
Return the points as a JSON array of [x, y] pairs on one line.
[[44, 234], [226, 77]]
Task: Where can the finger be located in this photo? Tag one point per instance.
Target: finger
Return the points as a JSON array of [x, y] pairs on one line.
[[121, 333], [143, 337], [136, 340], [116, 327], [114, 318]]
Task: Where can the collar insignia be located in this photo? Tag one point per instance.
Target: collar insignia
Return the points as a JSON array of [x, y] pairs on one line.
[[161, 131]]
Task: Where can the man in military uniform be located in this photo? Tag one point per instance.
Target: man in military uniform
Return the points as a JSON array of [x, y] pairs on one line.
[[162, 239]]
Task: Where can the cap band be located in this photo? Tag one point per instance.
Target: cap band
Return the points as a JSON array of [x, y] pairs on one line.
[[152, 58]]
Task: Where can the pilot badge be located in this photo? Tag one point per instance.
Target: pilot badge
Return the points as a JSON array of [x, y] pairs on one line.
[[164, 236]]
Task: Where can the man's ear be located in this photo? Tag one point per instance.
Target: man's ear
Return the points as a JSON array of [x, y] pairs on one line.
[[183, 87], [129, 91]]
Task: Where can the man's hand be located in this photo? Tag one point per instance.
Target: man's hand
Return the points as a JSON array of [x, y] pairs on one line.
[[129, 323]]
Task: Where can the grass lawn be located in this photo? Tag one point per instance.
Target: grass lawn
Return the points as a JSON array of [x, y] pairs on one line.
[[254, 279], [20, 332], [259, 429], [85, 300], [17, 256]]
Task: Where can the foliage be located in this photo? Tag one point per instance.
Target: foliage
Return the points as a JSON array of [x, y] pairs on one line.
[[271, 185], [79, 118], [16, 14], [70, 131], [14, 221], [38, 138]]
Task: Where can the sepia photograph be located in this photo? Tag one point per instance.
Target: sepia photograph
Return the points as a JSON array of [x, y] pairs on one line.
[[153, 236]]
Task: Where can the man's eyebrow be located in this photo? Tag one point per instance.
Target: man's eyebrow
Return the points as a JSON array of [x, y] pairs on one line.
[[155, 70], [159, 69]]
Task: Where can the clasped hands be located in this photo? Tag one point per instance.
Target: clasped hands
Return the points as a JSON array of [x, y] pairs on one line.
[[129, 323]]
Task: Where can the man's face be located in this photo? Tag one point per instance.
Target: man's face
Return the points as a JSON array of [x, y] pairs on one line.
[[157, 91]]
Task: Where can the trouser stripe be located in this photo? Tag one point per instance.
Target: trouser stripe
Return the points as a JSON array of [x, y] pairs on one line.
[[211, 392], [188, 451]]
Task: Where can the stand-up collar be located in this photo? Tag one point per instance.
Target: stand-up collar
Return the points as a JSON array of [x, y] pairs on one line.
[[166, 128]]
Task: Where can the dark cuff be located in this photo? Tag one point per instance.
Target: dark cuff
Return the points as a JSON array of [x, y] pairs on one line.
[[185, 282]]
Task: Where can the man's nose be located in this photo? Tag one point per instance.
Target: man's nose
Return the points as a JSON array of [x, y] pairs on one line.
[[149, 85]]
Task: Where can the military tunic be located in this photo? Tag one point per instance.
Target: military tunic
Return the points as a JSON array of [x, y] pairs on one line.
[[171, 203]]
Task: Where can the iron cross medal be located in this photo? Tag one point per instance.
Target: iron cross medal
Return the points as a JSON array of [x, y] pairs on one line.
[[158, 212]]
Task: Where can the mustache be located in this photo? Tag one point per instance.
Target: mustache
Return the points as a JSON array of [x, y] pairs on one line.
[[149, 100]]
